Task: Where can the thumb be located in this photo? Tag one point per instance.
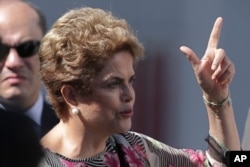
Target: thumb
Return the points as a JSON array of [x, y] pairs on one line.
[[190, 55]]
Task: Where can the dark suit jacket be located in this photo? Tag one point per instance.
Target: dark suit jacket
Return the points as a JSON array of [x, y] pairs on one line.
[[49, 118], [19, 144]]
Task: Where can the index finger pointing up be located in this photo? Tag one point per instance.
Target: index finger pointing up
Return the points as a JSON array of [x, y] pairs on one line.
[[214, 38]]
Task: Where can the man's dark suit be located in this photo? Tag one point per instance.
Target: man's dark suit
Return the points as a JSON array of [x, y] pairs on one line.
[[49, 118], [19, 144], [19, 138]]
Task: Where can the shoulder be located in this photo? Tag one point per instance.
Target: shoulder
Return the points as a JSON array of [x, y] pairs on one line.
[[148, 143], [49, 159], [135, 137], [156, 152], [132, 140], [51, 140]]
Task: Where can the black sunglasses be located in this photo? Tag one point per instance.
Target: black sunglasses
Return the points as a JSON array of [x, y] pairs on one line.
[[24, 50]]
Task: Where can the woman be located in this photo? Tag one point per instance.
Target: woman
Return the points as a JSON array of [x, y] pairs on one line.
[[88, 63]]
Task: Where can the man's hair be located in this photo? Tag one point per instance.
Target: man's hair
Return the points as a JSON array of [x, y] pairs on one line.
[[42, 19]]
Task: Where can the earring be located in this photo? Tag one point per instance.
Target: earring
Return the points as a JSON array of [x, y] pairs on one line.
[[75, 111]]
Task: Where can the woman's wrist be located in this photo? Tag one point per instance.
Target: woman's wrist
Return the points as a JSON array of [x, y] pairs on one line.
[[218, 104]]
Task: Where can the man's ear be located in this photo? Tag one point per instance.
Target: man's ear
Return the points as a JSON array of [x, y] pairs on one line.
[[69, 95]]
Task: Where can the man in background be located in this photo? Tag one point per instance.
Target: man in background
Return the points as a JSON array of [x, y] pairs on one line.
[[22, 26]]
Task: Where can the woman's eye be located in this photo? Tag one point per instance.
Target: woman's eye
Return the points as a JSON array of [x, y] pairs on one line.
[[132, 80], [113, 84]]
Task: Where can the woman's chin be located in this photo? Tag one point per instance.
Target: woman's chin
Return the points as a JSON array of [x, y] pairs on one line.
[[126, 126]]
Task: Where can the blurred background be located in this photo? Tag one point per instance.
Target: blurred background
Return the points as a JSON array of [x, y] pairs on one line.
[[169, 104]]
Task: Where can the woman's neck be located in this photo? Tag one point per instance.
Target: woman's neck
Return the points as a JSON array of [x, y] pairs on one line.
[[78, 142]]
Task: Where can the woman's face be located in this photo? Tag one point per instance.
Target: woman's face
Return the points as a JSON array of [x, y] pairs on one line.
[[109, 108]]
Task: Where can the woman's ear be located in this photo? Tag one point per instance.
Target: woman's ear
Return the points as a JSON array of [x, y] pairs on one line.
[[69, 95]]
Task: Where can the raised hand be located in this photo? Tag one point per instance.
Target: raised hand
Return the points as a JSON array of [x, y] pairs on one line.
[[214, 71]]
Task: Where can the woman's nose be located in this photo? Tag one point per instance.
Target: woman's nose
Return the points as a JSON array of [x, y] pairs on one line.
[[128, 93]]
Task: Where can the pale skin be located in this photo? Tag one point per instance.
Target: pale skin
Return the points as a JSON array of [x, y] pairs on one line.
[[214, 73]]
